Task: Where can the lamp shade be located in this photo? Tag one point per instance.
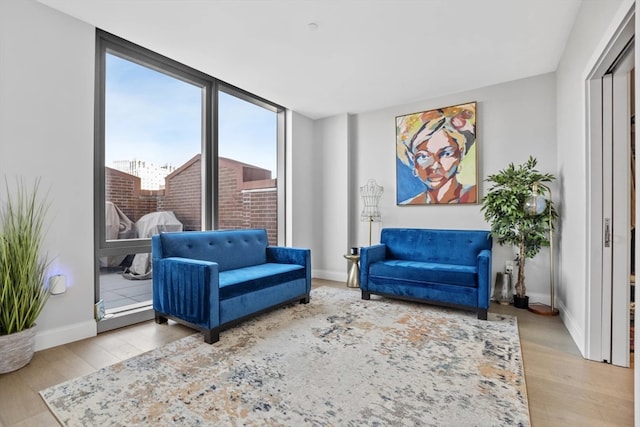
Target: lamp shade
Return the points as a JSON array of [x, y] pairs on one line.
[[535, 204]]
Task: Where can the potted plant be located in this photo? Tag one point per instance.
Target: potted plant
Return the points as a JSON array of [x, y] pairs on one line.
[[23, 292], [505, 208]]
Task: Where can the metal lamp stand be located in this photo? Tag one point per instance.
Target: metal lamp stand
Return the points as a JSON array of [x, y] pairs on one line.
[[539, 308]]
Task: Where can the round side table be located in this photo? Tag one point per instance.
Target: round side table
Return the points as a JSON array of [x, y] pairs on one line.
[[353, 278]]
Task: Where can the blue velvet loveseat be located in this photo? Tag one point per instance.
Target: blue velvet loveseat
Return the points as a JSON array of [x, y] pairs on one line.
[[447, 267], [210, 280]]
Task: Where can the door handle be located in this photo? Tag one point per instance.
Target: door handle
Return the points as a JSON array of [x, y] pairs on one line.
[[607, 232]]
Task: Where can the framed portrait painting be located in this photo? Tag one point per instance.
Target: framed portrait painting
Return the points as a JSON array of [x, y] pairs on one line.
[[436, 154]]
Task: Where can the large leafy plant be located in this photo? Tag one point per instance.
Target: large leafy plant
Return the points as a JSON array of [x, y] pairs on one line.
[[23, 293], [504, 209]]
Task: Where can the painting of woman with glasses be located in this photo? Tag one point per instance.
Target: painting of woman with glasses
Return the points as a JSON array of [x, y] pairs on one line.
[[436, 156]]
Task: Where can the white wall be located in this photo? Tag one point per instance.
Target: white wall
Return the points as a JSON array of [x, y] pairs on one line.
[[586, 37], [515, 120], [301, 216], [46, 130], [330, 196]]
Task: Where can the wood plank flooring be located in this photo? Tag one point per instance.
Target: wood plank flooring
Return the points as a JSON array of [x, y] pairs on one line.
[[563, 388]]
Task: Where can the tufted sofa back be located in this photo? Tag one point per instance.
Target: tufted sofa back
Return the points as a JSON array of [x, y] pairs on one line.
[[459, 247], [231, 249]]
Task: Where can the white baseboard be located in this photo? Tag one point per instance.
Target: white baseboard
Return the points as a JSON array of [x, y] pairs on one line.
[[329, 275], [577, 333], [59, 336]]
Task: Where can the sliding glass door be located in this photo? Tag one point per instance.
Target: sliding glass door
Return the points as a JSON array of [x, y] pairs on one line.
[[152, 171]]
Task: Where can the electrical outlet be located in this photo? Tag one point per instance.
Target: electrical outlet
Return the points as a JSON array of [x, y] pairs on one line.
[[509, 266], [98, 310]]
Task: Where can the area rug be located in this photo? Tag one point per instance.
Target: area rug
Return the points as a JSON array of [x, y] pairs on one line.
[[338, 361]]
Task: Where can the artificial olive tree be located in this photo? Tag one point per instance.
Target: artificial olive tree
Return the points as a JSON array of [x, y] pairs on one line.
[[511, 223]]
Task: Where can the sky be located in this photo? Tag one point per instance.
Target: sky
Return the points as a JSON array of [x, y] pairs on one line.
[[154, 117]]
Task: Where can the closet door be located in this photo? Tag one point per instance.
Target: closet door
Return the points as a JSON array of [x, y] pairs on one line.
[[616, 211]]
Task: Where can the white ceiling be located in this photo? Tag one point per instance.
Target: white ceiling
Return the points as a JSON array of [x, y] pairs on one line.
[[363, 55]]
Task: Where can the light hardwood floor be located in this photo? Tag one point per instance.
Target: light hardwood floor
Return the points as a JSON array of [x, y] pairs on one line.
[[563, 388]]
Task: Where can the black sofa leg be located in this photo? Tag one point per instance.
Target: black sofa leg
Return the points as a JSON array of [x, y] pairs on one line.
[[305, 300], [366, 295], [482, 314], [160, 319], [212, 335]]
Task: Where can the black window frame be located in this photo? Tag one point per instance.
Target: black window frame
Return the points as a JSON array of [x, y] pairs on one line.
[[112, 44]]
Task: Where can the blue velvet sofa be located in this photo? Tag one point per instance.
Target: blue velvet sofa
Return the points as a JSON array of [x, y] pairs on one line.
[[210, 280], [446, 267]]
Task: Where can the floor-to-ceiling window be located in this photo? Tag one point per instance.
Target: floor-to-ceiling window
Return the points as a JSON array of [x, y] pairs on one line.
[[247, 165], [176, 150]]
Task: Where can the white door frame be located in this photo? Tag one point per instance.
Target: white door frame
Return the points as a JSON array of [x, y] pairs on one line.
[[621, 233], [595, 221]]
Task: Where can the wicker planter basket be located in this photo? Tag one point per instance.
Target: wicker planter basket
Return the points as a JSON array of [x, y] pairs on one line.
[[16, 350]]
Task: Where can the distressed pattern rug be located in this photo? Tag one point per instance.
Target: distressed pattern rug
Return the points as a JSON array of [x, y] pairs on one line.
[[338, 361]]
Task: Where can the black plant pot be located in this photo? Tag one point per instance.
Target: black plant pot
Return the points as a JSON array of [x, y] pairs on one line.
[[521, 302]]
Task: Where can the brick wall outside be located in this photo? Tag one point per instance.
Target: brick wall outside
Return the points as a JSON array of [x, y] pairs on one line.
[[230, 209], [183, 189], [124, 191], [262, 206], [247, 196]]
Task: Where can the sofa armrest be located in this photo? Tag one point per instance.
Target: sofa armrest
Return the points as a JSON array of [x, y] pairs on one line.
[[369, 255], [156, 247], [187, 289], [484, 278], [286, 255]]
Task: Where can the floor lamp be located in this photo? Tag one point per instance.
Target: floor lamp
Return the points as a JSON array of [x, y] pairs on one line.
[[371, 193], [536, 205]]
